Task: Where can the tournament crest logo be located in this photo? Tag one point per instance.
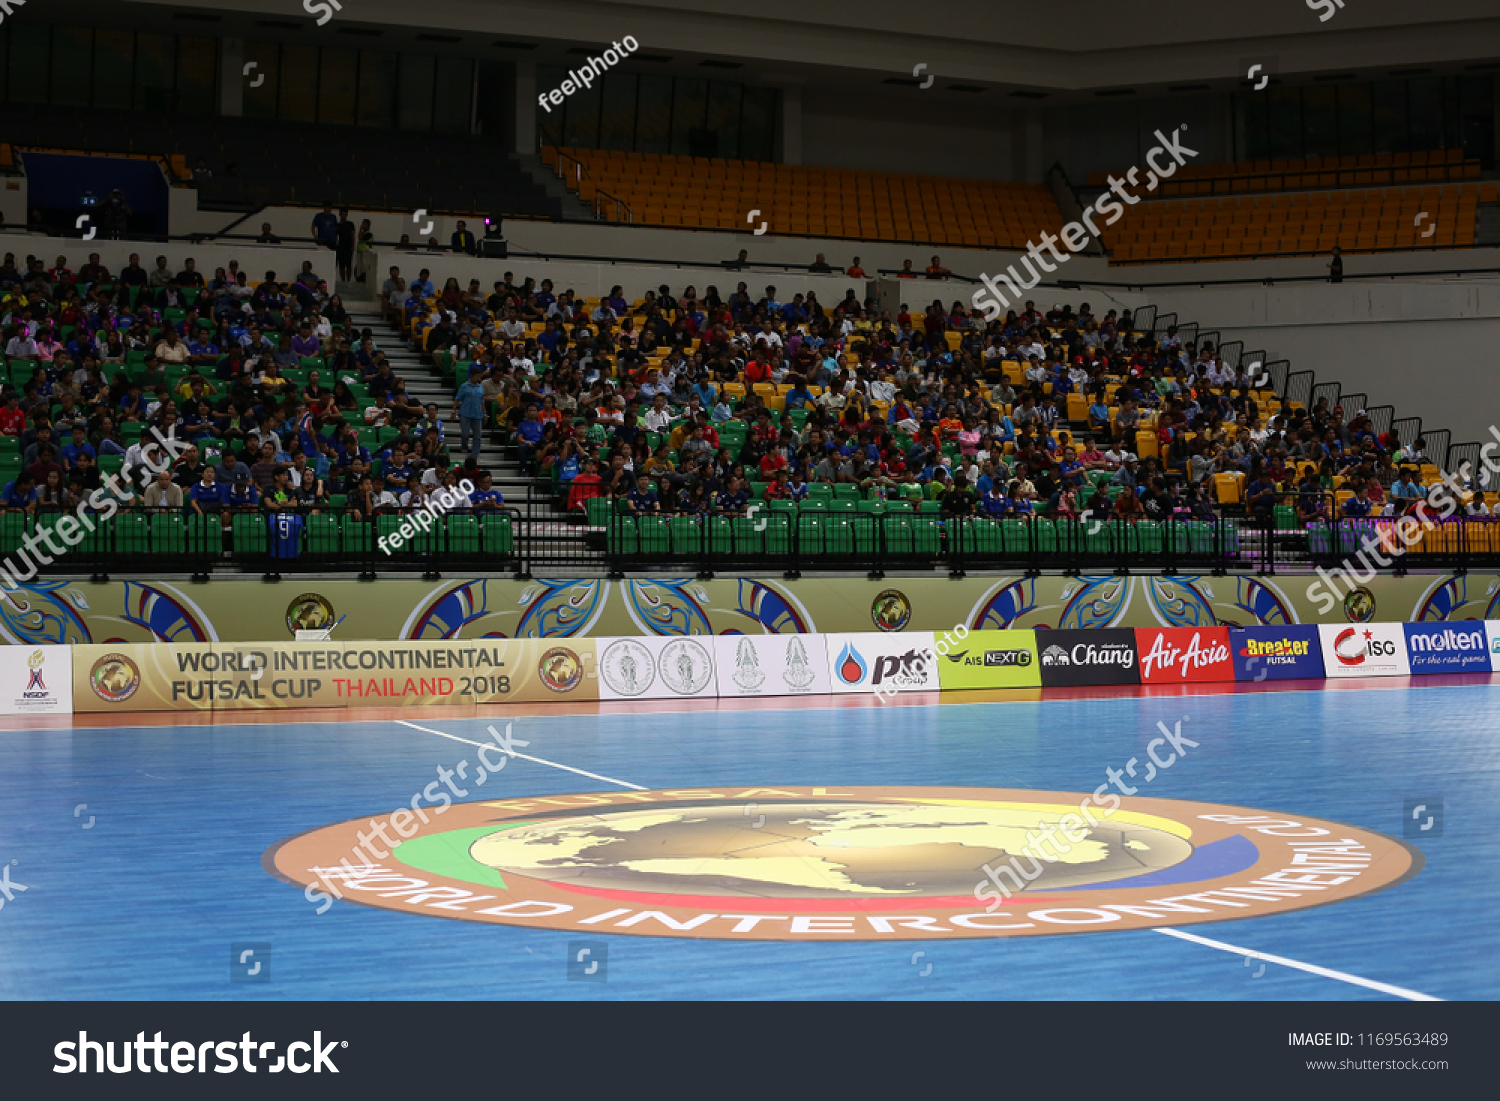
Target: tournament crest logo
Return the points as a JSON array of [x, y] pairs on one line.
[[891, 610], [114, 678], [1359, 605], [560, 669], [309, 612], [845, 863]]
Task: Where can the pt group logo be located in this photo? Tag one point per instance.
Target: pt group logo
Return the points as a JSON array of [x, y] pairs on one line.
[[845, 864]]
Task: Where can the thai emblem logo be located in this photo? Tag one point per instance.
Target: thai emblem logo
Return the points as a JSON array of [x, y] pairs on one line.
[[35, 684], [798, 673], [747, 672], [309, 612], [847, 863], [627, 667], [1055, 655], [891, 610], [1359, 606], [852, 667], [560, 669], [114, 678], [685, 666]]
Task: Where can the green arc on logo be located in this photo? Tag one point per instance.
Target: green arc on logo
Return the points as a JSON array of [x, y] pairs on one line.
[[448, 854]]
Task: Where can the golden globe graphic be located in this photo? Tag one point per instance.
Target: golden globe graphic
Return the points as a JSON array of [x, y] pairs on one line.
[[845, 863]]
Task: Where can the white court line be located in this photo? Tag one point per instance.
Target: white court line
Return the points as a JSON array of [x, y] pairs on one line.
[[523, 756], [1311, 968]]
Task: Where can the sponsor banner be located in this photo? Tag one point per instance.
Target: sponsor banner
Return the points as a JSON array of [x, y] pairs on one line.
[[1457, 647], [870, 662], [656, 668], [150, 676], [991, 659], [1084, 657], [36, 680], [1363, 650], [1176, 655], [1492, 634], [1276, 653], [263, 676], [771, 665]]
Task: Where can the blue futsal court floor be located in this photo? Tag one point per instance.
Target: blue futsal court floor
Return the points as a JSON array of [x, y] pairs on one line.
[[140, 894]]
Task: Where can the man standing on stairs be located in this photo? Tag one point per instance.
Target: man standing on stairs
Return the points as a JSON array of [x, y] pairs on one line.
[[468, 408]]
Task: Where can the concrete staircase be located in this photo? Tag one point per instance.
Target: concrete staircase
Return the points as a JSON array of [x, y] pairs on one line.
[[551, 532], [574, 208]]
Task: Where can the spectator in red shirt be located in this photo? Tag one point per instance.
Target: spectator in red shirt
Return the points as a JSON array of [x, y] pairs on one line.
[[12, 419], [855, 271], [935, 270], [906, 272]]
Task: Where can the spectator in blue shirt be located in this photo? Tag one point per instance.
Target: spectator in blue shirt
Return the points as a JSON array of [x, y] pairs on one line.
[[1358, 507], [642, 499], [994, 503], [468, 408], [19, 495], [242, 494], [325, 226], [486, 496], [79, 446]]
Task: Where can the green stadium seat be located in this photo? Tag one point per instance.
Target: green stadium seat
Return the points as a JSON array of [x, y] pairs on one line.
[[778, 533], [13, 526], [926, 537], [620, 537], [1046, 535], [132, 534], [357, 537], [811, 531], [720, 534], [748, 539], [654, 534], [321, 535], [897, 531], [820, 491], [1015, 536], [168, 533], [497, 535], [687, 536]]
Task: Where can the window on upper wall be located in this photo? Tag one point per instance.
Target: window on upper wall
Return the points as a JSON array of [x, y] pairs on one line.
[[651, 113], [1400, 115]]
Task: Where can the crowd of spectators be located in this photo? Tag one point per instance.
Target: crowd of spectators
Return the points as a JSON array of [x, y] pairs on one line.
[[654, 403], [268, 386]]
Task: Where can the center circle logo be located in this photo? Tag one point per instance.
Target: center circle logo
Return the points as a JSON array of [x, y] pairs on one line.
[[847, 863], [114, 678]]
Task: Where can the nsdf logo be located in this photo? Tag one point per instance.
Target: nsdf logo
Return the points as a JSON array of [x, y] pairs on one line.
[[1363, 650], [1447, 647], [1087, 657], [1276, 653], [1174, 655]]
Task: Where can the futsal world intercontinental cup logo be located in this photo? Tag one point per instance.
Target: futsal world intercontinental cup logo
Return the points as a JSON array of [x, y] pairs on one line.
[[843, 863], [35, 687]]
